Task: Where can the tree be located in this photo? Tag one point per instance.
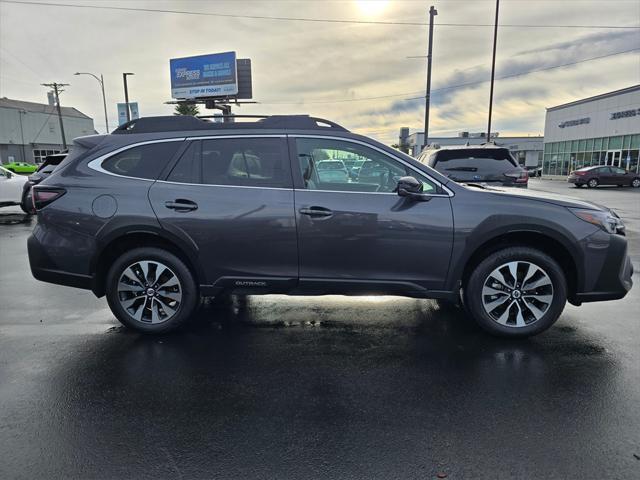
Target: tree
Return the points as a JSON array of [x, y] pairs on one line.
[[186, 109]]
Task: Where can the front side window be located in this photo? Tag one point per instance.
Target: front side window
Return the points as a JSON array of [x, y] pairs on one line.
[[337, 165], [257, 162], [144, 161]]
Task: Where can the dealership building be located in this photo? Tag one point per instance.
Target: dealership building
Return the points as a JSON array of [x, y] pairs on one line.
[[599, 130], [31, 131], [526, 150]]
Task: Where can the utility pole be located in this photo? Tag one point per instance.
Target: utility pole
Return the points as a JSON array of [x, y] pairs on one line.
[[57, 91], [126, 94], [432, 13], [493, 70]]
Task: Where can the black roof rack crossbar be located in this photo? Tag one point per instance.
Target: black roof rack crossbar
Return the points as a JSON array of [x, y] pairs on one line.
[[177, 123]]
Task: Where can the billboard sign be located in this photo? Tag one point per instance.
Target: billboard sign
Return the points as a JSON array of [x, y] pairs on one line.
[[213, 75]]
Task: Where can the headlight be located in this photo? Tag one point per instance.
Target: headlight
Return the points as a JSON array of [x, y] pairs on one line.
[[608, 221]]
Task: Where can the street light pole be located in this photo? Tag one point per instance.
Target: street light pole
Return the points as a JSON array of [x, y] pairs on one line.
[[432, 13], [493, 70], [126, 94], [104, 98]]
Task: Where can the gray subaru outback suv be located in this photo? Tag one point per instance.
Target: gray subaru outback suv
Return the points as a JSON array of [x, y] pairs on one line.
[[166, 210]]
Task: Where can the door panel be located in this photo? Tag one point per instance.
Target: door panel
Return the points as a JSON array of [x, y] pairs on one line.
[[357, 234], [374, 238], [238, 232], [232, 198]]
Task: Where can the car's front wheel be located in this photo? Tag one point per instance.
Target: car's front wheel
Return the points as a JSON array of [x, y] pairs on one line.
[[635, 183], [516, 292], [151, 290]]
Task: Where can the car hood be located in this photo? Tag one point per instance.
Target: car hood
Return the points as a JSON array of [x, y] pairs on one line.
[[540, 196]]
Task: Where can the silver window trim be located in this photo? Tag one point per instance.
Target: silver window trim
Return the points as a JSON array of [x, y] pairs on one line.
[[438, 183], [225, 186], [96, 163]]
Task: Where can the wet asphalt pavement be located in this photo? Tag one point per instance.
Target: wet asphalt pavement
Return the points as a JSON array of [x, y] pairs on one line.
[[327, 387]]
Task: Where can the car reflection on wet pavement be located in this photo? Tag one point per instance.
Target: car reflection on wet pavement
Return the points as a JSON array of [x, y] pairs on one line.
[[309, 387]]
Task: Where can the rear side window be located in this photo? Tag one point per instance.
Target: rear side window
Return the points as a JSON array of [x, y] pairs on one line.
[[144, 161], [255, 162], [474, 160]]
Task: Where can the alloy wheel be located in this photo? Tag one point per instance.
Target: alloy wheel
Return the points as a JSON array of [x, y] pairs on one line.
[[593, 183], [635, 183], [517, 294], [149, 291]]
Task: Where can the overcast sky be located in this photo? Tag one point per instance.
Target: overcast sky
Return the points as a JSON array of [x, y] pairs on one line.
[[324, 68]]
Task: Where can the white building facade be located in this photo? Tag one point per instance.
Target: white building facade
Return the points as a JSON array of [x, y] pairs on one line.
[[30, 131], [599, 130]]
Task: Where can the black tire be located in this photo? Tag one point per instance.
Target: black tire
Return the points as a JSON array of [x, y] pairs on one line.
[[635, 183], [593, 183], [187, 288], [481, 274], [578, 185]]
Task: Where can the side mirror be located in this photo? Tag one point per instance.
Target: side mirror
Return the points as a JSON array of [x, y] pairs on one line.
[[412, 188]]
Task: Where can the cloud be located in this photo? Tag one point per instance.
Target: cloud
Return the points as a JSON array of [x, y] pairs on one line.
[[310, 62]]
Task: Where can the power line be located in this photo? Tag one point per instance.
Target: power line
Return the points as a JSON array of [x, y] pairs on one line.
[[527, 72], [451, 87], [307, 19]]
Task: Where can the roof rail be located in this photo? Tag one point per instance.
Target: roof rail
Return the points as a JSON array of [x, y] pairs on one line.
[[176, 123]]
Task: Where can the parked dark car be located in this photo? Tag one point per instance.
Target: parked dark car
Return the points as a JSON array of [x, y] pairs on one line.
[[44, 170], [604, 175], [487, 164], [168, 209]]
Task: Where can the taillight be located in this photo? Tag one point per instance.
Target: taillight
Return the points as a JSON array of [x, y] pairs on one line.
[[519, 176], [579, 173], [43, 196]]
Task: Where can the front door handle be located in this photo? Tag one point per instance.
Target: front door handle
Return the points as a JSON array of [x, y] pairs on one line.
[[316, 212], [181, 205]]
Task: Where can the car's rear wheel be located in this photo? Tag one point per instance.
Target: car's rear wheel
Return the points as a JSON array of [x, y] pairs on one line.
[[516, 292], [151, 290], [635, 183], [593, 183]]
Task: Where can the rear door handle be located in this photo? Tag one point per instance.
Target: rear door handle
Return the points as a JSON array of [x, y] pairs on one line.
[[316, 212], [181, 205]]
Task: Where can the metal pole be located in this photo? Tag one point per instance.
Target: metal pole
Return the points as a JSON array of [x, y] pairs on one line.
[[24, 155], [55, 87], [126, 96], [493, 69], [104, 98], [64, 140], [432, 13], [104, 103]]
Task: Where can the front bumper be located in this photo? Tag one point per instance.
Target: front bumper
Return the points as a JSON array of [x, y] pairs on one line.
[[612, 278]]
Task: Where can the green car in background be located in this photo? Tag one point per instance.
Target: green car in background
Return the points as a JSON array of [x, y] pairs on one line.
[[20, 167]]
